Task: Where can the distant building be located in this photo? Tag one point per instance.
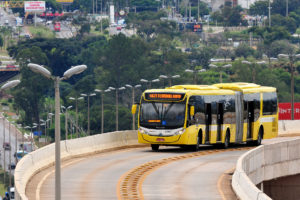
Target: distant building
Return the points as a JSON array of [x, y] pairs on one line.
[[217, 4], [247, 3]]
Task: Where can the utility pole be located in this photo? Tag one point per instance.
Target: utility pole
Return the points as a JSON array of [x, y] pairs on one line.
[[190, 13], [287, 8], [198, 11], [269, 13]]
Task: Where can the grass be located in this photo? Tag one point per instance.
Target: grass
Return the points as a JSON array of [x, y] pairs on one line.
[[41, 31], [298, 31], [3, 187], [3, 52]]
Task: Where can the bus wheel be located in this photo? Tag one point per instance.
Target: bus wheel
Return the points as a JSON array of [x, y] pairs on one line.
[[259, 138], [155, 147], [227, 141], [196, 147]]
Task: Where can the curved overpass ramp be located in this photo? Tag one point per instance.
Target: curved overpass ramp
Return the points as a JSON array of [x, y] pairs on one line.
[[91, 171], [96, 167]]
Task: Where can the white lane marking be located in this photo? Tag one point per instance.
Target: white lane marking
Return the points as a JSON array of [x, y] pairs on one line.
[[39, 186]]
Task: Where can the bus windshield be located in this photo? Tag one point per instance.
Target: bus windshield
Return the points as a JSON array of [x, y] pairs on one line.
[[162, 115]]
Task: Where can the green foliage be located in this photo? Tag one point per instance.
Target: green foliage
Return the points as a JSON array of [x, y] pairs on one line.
[[105, 24], [279, 6], [244, 50], [203, 9], [287, 22], [270, 34], [85, 28], [229, 16], [1, 41], [30, 92], [259, 8]]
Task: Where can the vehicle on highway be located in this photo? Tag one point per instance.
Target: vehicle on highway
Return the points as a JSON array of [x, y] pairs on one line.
[[10, 66], [12, 166], [48, 22], [57, 26], [190, 115], [27, 36], [20, 154], [119, 28], [12, 193], [6, 146]]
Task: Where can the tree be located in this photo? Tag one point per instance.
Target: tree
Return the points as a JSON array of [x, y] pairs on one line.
[[29, 94], [225, 53], [270, 34], [287, 22], [1, 42], [244, 50], [85, 28], [259, 8], [280, 47], [279, 6]]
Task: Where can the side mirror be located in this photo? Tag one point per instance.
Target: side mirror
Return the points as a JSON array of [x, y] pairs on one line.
[[192, 111], [133, 109]]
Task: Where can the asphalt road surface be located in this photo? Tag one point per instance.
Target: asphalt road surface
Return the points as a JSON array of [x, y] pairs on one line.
[[99, 176]]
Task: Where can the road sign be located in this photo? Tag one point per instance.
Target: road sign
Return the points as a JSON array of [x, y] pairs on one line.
[[285, 111], [34, 6], [64, 1], [37, 133]]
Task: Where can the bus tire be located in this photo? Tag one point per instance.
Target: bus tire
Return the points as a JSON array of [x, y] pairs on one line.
[[154, 147], [227, 140], [196, 146], [259, 137]]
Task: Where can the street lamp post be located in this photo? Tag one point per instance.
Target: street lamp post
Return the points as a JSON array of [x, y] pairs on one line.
[[9, 141], [169, 77], [44, 123], [102, 108], [66, 119], [117, 104], [31, 134], [292, 58], [6, 86], [133, 115], [195, 73], [252, 64], [76, 108], [50, 115], [152, 81], [88, 97], [220, 67], [70, 72]]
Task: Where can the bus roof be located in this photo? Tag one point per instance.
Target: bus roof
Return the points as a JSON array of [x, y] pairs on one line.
[[194, 87], [245, 87], [193, 90]]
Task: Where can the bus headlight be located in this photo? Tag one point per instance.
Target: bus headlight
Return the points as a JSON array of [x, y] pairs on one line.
[[179, 132], [142, 131]]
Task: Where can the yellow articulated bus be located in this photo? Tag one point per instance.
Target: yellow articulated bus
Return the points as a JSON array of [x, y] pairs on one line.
[[190, 115]]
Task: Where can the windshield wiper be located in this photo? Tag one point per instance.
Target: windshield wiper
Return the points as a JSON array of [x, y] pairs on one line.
[[166, 112]]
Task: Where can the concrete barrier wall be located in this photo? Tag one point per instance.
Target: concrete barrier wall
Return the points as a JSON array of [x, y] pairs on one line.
[[288, 126], [44, 157], [264, 163]]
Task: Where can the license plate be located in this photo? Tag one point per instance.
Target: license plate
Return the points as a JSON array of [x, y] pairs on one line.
[[160, 139]]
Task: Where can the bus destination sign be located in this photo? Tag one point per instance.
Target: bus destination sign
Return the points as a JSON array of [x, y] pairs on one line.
[[164, 96]]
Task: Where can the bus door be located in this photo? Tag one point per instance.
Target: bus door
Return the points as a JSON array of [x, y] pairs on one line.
[[220, 113], [250, 119], [207, 120]]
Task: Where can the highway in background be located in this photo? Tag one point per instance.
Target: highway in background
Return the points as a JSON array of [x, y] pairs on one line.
[[12, 133]]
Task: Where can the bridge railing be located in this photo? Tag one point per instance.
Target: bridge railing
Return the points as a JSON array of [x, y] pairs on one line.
[[265, 163], [42, 158]]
